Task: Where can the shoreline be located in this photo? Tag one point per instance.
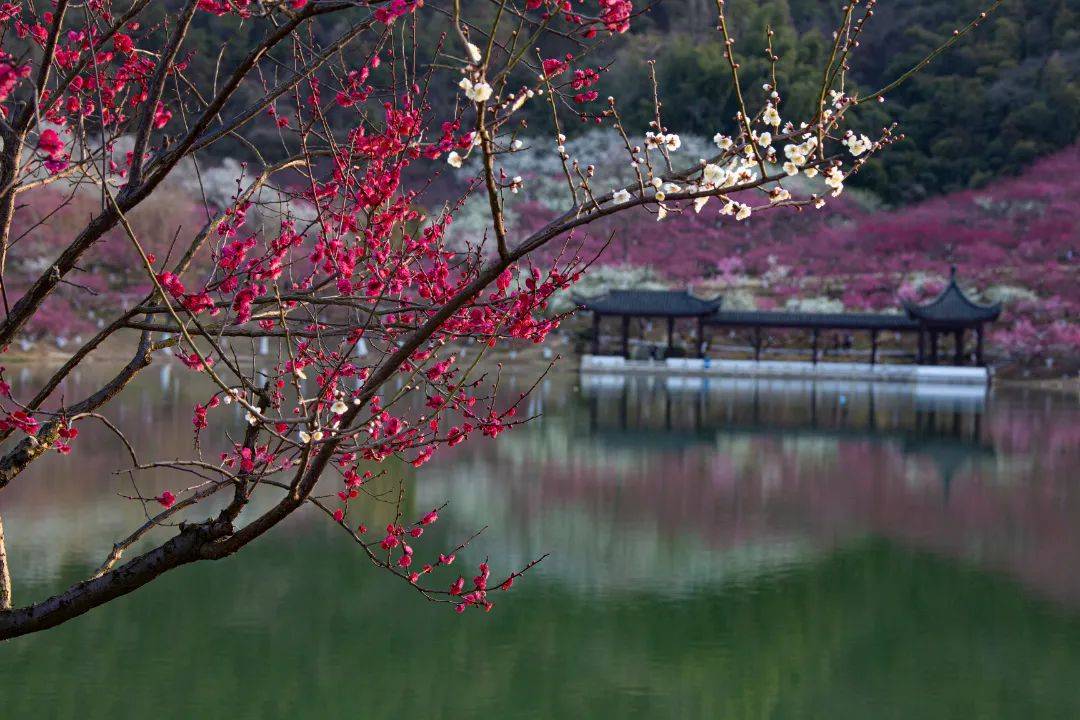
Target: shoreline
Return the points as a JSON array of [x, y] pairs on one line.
[[529, 358]]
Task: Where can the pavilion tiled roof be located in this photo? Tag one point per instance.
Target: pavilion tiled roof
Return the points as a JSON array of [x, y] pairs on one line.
[[649, 303], [953, 307]]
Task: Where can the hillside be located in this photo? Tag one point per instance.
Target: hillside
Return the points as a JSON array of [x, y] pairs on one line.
[[1017, 239]]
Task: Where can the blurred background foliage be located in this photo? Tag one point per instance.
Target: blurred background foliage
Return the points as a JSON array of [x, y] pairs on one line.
[[1004, 96]]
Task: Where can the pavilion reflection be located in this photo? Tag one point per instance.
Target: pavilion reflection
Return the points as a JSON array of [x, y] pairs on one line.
[[656, 412]]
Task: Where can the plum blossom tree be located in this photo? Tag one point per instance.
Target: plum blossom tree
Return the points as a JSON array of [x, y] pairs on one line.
[[327, 245]]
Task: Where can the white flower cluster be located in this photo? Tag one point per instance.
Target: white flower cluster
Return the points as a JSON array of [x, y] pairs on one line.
[[797, 155], [779, 194], [739, 210], [476, 91], [723, 141], [857, 144], [671, 141], [834, 178], [737, 171], [661, 191], [312, 437]]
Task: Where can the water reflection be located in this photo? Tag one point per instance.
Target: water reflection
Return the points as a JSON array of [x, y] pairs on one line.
[[775, 472], [942, 425], [719, 549]]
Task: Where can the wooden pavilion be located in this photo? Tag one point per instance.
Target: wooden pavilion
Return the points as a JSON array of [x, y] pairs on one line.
[[951, 312], [669, 305]]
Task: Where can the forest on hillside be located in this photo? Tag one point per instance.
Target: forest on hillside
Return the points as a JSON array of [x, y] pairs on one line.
[[1002, 97]]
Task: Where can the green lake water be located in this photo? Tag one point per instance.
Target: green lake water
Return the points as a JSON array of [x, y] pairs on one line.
[[718, 550]]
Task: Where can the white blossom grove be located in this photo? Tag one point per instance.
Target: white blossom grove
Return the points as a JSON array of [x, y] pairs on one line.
[[343, 253]]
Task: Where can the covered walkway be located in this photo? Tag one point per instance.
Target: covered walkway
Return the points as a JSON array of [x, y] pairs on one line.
[[952, 312]]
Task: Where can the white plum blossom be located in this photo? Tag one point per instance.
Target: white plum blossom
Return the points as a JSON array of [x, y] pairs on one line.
[[670, 188], [791, 168], [700, 203], [620, 196], [798, 153], [771, 116], [834, 178], [857, 144], [339, 407], [810, 172], [714, 175], [670, 141], [453, 159], [722, 141], [764, 139], [661, 212], [743, 213], [477, 92], [306, 437], [481, 91], [746, 174], [779, 194], [474, 52]]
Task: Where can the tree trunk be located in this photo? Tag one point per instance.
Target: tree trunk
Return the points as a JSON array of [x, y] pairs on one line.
[[5, 573]]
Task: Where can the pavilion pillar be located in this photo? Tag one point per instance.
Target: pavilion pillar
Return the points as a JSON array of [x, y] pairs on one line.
[[958, 355], [626, 336], [921, 357], [979, 345], [670, 335], [700, 337], [873, 347], [933, 347], [813, 344], [757, 344], [596, 333]]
